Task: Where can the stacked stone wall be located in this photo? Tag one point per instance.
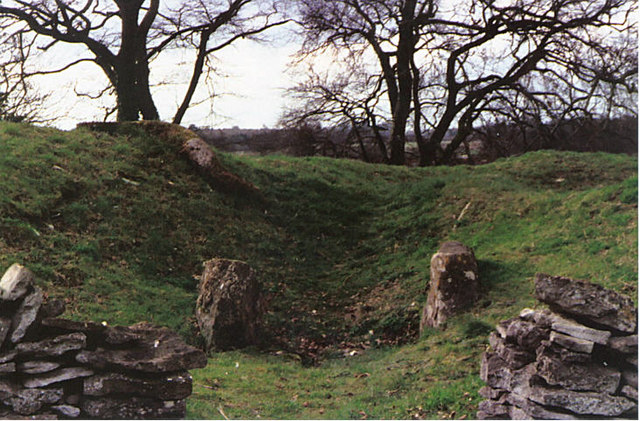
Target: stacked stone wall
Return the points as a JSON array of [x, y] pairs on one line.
[[578, 359], [53, 368]]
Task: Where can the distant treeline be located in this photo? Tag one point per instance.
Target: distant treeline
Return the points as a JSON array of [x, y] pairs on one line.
[[485, 144]]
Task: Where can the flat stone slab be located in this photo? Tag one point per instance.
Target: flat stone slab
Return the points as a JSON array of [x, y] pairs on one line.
[[624, 344], [524, 409], [16, 282], [171, 387], [37, 367], [582, 403], [588, 301], [67, 411], [571, 343], [133, 408], [159, 351], [27, 401], [8, 368], [580, 377], [54, 346], [60, 375]]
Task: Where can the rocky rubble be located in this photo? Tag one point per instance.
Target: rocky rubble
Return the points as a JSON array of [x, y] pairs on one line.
[[52, 368], [575, 360]]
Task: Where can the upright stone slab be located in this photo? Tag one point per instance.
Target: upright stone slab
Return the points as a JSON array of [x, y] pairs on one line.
[[229, 305], [15, 282], [454, 283]]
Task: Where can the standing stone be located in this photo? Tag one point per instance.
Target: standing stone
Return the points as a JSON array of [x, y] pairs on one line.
[[454, 283], [26, 315], [229, 305], [592, 302], [15, 282]]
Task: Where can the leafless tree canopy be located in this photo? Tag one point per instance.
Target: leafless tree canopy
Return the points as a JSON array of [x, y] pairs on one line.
[[453, 64], [123, 37]]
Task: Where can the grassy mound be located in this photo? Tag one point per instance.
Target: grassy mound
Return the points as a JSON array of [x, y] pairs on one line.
[[119, 223]]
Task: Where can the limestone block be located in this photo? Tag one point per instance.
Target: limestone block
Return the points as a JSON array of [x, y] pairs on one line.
[[454, 283], [37, 367], [571, 343], [53, 347], [25, 315], [56, 376], [15, 283], [582, 403], [624, 344], [581, 377]]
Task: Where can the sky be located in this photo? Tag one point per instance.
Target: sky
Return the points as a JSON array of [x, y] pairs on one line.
[[249, 91]]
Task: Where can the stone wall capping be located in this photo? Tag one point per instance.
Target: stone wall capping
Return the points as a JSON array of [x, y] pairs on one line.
[[575, 360], [54, 368]]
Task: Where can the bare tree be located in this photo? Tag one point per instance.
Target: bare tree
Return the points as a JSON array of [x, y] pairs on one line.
[[123, 37], [446, 63]]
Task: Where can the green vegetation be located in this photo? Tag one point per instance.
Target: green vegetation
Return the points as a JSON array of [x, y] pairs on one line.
[[119, 225]]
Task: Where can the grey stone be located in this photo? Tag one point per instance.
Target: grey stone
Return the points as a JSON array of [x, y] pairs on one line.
[[592, 377], [588, 301], [67, 410], [491, 410], [633, 360], [15, 282], [56, 376], [37, 367], [582, 403], [27, 401], [524, 409], [52, 308], [25, 315], [9, 415], [497, 375], [579, 331], [526, 334], [8, 368], [571, 343], [158, 351], [629, 392], [54, 346], [454, 284], [132, 408], [624, 344], [490, 393], [514, 356], [171, 387], [561, 353], [8, 356], [5, 326], [630, 377]]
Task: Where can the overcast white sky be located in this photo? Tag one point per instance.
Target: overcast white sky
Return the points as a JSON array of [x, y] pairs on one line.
[[249, 92]]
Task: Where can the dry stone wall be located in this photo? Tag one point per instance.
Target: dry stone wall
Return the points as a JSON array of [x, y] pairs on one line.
[[578, 359], [53, 368]]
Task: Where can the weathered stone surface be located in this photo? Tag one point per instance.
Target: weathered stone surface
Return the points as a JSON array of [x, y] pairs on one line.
[[52, 308], [27, 401], [60, 375], [490, 393], [548, 319], [492, 410], [25, 315], [172, 387], [526, 334], [67, 410], [584, 403], [229, 305], [54, 346], [158, 351], [15, 283], [588, 301], [523, 409], [561, 353], [8, 368], [629, 392], [37, 367], [7, 356], [591, 377], [120, 335], [5, 326], [8, 415], [571, 343], [132, 408], [513, 356], [624, 344], [630, 377], [64, 326], [454, 283], [497, 375]]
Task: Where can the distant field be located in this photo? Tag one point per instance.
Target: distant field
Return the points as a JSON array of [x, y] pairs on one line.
[[119, 225]]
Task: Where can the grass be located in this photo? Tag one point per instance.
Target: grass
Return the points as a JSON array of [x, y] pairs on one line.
[[119, 225]]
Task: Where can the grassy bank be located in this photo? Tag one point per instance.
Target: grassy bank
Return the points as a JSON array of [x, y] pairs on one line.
[[119, 224]]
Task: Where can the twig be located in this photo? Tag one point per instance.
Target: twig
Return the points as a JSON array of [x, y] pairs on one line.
[[464, 210], [222, 413]]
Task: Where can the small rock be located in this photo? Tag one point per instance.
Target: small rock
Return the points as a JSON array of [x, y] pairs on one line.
[[37, 367], [514, 356], [56, 376], [27, 401], [8, 368], [524, 409], [15, 282], [7, 356], [624, 344], [630, 377], [571, 343], [591, 377], [582, 403], [25, 315], [67, 410], [490, 393], [492, 410], [526, 334], [54, 346], [588, 301], [561, 353], [629, 392]]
